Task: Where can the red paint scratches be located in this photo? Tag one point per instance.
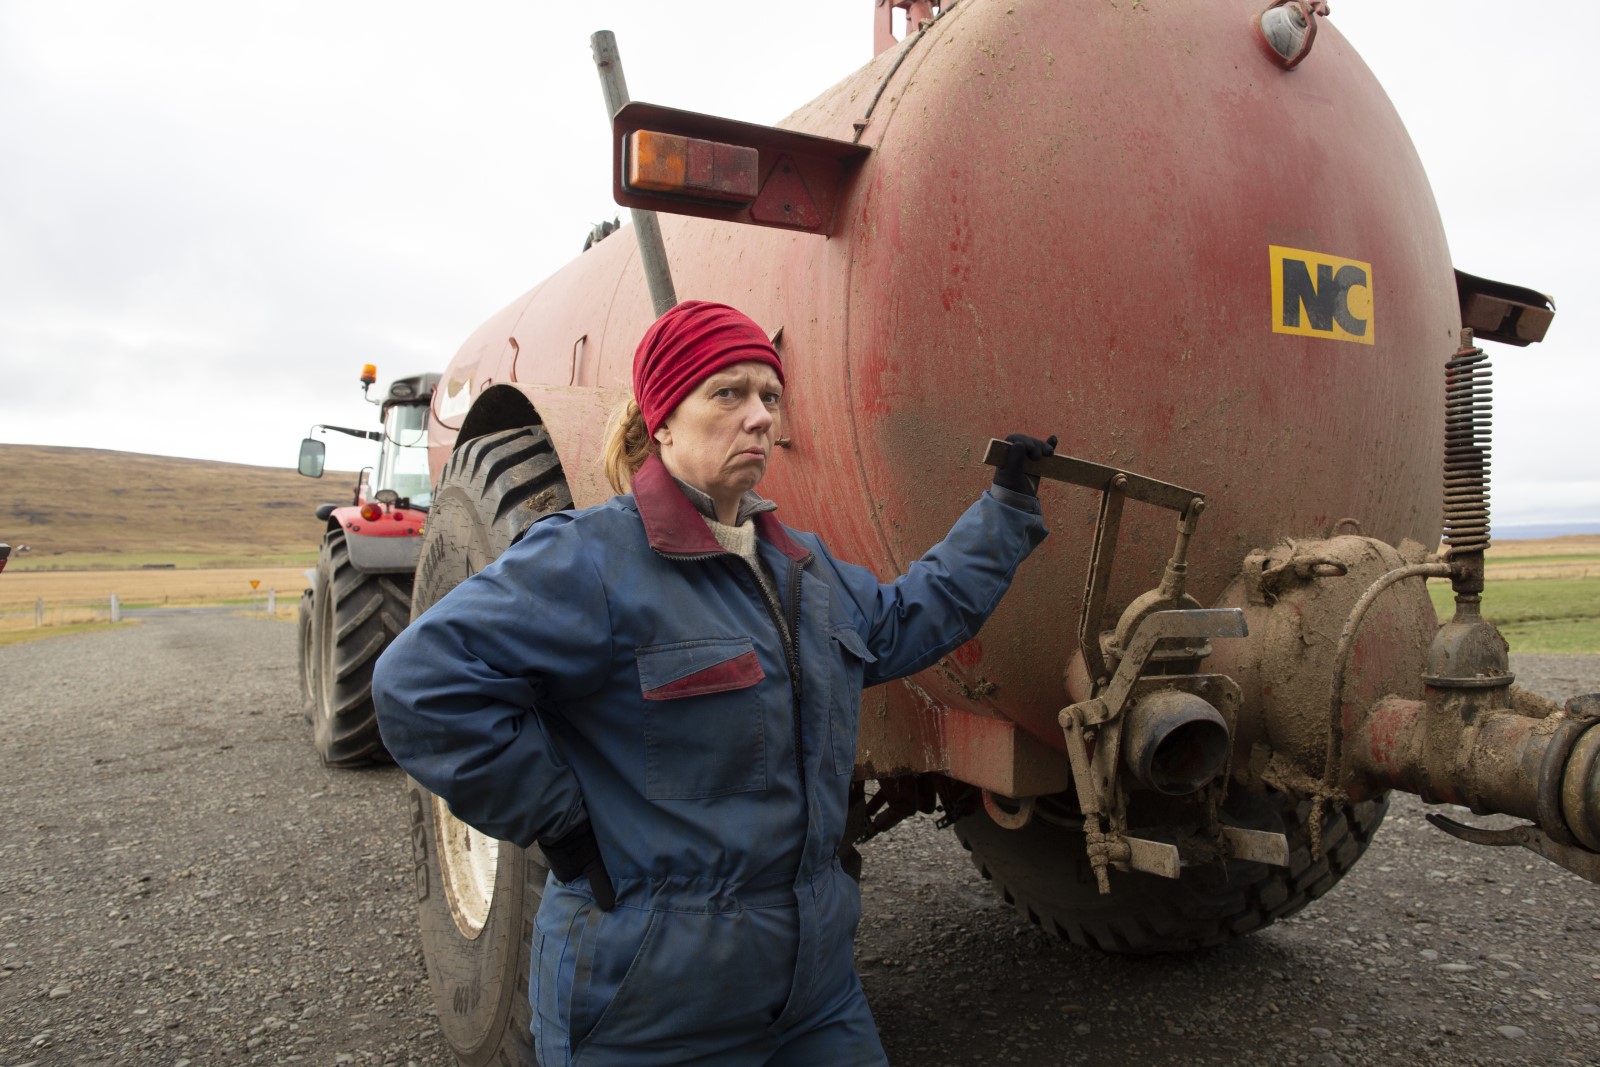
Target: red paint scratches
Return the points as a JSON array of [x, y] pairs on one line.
[[968, 654]]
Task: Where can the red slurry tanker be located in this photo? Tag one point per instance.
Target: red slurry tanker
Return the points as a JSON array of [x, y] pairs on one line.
[[1215, 266]]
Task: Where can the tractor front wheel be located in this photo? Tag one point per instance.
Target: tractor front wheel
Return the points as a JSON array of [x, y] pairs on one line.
[[356, 614]]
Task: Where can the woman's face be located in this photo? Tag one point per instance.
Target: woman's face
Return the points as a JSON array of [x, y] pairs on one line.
[[720, 437]]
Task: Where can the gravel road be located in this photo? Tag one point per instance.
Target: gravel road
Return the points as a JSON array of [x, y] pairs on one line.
[[182, 883]]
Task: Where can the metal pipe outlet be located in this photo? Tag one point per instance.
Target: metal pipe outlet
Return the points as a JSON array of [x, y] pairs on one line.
[[1175, 742]]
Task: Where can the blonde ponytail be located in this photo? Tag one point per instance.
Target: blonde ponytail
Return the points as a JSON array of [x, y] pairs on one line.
[[628, 443]]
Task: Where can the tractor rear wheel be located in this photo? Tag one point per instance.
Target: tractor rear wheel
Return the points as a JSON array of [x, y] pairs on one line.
[[1043, 870], [476, 896], [356, 615]]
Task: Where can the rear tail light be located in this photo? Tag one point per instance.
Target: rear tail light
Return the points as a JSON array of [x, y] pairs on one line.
[[690, 166]]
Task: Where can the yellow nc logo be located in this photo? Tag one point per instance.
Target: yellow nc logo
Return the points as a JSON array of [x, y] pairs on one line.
[[1316, 295]]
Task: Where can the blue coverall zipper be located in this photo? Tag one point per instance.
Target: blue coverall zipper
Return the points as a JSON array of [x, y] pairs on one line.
[[789, 636], [794, 671]]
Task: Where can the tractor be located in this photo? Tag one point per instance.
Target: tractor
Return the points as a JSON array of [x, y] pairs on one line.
[[360, 592]]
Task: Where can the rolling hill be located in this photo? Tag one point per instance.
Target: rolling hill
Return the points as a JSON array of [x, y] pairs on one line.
[[85, 507]]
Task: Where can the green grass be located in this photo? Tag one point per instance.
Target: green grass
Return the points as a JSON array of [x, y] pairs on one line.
[[258, 602], [1579, 636], [1537, 614], [17, 637], [129, 561]]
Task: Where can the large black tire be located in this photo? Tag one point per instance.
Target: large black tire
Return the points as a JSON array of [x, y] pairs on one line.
[[355, 616], [476, 897], [1043, 870]]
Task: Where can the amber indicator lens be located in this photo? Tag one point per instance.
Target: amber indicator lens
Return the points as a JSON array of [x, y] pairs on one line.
[[691, 167]]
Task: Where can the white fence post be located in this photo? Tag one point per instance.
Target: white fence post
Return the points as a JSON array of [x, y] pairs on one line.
[[272, 601], [116, 608], [38, 613]]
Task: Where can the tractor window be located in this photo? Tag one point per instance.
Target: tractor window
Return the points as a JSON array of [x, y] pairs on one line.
[[403, 463]]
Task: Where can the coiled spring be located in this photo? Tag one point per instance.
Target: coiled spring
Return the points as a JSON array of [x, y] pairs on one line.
[[1468, 400]]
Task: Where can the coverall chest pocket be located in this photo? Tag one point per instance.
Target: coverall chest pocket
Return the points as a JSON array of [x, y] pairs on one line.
[[844, 713], [704, 718]]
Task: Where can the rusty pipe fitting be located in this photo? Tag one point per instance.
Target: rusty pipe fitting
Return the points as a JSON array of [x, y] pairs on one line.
[[1545, 769], [1175, 742], [1490, 766], [1580, 791]]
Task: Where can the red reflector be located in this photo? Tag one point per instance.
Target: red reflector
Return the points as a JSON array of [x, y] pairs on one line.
[[371, 512]]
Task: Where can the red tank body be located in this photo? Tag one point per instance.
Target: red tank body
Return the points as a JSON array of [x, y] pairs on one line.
[[1065, 225], [1135, 226]]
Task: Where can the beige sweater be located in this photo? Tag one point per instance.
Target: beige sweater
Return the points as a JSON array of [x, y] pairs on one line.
[[740, 538], [741, 541]]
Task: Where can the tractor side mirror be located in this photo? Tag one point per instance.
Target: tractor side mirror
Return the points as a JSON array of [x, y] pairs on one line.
[[313, 456]]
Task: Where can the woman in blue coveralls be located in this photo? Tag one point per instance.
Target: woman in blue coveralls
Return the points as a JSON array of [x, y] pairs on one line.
[[662, 692]]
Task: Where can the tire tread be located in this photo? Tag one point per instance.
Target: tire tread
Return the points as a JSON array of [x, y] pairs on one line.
[[366, 612], [1155, 916], [491, 488]]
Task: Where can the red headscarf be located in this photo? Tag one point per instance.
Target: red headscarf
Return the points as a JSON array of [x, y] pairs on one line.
[[686, 346]]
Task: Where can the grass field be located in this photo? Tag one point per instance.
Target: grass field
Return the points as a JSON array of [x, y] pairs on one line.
[[162, 531], [1574, 556], [129, 561], [1536, 614], [75, 597], [81, 507], [17, 637]]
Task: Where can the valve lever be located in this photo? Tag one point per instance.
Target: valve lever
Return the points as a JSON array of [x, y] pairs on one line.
[[1580, 861], [1258, 846]]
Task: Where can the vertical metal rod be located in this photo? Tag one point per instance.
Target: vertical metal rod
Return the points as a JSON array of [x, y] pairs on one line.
[[652, 251], [1177, 572], [1102, 558]]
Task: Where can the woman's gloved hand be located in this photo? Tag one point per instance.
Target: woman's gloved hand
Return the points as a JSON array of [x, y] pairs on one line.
[[1024, 449], [578, 855]]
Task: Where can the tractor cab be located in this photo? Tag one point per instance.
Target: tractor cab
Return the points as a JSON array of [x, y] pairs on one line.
[[402, 475], [403, 456]]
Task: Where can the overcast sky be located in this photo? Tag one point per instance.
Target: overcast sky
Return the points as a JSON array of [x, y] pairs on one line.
[[211, 214]]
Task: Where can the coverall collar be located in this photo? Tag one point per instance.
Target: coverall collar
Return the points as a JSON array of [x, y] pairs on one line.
[[750, 504], [673, 524]]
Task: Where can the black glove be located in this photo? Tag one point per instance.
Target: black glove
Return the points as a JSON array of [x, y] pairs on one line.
[[1024, 449], [578, 855]]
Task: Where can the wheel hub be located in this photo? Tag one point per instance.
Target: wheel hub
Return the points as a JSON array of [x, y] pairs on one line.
[[469, 861]]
